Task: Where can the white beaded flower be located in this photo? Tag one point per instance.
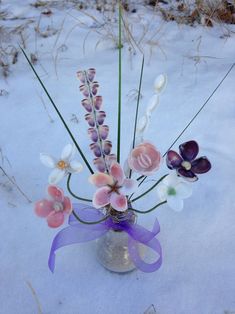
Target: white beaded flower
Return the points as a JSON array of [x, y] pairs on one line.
[[62, 166], [174, 190]]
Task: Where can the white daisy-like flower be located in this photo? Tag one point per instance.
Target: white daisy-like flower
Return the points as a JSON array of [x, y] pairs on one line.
[[62, 166], [174, 190]]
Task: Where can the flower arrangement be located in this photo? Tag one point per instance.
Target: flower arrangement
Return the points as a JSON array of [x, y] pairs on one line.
[[112, 206]]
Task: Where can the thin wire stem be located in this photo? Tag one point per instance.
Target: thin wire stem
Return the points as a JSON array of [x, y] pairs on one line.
[[119, 81], [194, 117], [137, 108], [149, 190], [147, 211], [74, 195], [58, 112], [89, 222]]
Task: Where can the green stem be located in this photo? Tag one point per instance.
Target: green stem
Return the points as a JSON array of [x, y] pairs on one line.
[[119, 82], [150, 189], [137, 108], [58, 112], [194, 117], [71, 192], [147, 211], [89, 222]]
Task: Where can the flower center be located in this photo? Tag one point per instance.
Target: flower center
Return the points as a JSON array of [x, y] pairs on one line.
[[186, 165], [114, 188], [58, 207], [171, 191], [62, 164]]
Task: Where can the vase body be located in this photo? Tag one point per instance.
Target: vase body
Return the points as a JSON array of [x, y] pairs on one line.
[[112, 252], [112, 248]]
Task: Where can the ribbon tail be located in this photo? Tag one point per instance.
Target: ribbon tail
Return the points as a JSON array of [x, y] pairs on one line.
[[138, 261], [71, 235]]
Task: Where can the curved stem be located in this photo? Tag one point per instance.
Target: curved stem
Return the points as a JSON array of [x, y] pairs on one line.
[[150, 189], [59, 114], [74, 195], [89, 222], [147, 211]]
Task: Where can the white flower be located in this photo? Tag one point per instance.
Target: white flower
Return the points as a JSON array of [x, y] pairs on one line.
[[66, 164], [173, 190]]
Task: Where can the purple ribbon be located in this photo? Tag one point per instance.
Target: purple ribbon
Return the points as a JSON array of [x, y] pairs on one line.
[[77, 232]]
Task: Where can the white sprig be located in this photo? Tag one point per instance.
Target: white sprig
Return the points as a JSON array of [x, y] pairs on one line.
[[143, 123]]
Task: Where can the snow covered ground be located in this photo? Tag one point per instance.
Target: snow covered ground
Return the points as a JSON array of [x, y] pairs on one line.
[[198, 271]]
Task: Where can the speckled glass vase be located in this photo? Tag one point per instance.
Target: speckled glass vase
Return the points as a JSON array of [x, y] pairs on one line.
[[112, 248]]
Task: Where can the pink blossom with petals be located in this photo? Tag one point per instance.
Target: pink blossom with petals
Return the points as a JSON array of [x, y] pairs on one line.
[[112, 188], [145, 159], [55, 208]]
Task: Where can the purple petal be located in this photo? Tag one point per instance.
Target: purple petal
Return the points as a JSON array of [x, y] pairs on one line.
[[107, 146], [90, 120], [84, 90], [201, 165], [87, 105], [94, 88], [99, 164], [98, 102], [103, 131], [189, 150], [96, 149], [91, 74], [173, 159], [100, 116], [93, 134], [187, 174], [81, 76]]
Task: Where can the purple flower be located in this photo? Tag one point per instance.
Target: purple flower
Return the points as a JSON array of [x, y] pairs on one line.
[[185, 164]]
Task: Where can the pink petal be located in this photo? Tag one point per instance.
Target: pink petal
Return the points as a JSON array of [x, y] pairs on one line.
[[118, 202], [99, 163], [100, 117], [55, 219], [90, 120], [91, 74], [81, 76], [106, 147], [43, 208], [87, 105], [104, 131], [56, 193], [100, 179], [117, 172], [129, 186], [101, 197], [67, 205], [84, 90], [98, 102]]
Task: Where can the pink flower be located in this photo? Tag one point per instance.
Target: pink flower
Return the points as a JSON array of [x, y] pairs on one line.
[[55, 209], [144, 159], [112, 188]]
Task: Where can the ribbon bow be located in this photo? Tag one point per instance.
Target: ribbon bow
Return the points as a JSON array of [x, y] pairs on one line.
[[77, 232]]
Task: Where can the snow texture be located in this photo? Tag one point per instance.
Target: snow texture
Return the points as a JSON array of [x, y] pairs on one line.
[[198, 271]]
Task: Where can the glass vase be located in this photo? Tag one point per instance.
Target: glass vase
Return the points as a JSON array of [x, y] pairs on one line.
[[112, 248]]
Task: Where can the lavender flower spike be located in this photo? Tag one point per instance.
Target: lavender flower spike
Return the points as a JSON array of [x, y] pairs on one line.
[[98, 132], [185, 163]]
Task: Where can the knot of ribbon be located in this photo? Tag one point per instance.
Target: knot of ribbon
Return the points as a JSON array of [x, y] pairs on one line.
[[77, 232]]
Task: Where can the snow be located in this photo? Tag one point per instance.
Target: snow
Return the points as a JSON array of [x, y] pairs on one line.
[[198, 271]]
